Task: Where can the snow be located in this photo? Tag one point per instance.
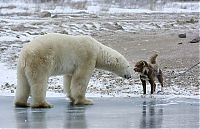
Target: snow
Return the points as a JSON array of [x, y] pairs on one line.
[[177, 7], [7, 75], [8, 38], [103, 85], [120, 10], [94, 6]]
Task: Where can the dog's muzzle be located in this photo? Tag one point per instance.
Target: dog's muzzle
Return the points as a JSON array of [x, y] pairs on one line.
[[127, 76], [137, 70]]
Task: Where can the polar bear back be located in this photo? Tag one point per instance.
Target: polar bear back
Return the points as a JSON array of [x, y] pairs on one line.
[[61, 53]]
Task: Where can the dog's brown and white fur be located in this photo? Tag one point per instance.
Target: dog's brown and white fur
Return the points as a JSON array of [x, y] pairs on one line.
[[149, 72]]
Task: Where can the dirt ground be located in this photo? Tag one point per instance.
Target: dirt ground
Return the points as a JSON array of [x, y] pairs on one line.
[[174, 52]]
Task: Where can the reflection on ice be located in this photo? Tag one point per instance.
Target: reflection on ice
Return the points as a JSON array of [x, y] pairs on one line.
[[152, 116], [107, 113]]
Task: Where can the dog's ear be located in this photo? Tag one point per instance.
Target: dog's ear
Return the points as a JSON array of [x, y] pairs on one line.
[[144, 63]]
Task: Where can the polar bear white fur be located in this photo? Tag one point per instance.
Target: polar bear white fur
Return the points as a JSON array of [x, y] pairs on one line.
[[75, 57]]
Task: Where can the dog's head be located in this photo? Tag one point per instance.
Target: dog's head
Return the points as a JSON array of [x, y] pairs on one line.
[[140, 66]]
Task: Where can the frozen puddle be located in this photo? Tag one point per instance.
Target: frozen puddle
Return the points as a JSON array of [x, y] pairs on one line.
[[134, 112]]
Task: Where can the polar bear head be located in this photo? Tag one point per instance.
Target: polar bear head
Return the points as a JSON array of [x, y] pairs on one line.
[[111, 60], [122, 67]]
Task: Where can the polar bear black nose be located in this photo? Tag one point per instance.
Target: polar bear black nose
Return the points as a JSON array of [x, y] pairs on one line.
[[127, 76]]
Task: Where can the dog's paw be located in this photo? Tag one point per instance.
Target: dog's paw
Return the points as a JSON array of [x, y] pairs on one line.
[[160, 93], [143, 96], [152, 96]]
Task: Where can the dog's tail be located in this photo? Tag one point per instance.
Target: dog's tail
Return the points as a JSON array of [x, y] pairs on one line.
[[152, 59]]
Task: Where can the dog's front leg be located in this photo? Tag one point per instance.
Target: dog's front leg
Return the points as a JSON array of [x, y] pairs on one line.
[[143, 85], [153, 85]]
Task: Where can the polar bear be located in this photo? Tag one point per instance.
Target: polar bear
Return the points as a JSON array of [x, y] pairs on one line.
[[75, 57]]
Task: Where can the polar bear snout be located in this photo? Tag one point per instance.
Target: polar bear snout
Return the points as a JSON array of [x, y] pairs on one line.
[[127, 76]]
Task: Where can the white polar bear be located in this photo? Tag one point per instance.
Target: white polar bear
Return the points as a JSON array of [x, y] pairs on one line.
[[75, 57]]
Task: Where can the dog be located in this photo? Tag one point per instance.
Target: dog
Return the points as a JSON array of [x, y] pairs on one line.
[[149, 72]]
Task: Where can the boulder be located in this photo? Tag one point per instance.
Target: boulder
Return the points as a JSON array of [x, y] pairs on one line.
[[45, 14]]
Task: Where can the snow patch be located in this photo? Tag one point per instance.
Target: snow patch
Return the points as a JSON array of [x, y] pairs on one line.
[[7, 75]]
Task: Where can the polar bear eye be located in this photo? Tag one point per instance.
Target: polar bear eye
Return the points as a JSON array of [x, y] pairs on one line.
[[117, 60]]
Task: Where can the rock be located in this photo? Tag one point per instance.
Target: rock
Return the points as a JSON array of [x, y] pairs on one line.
[[12, 91], [195, 40], [18, 36], [64, 32], [118, 26], [7, 85], [54, 16], [8, 7], [45, 14], [43, 33], [113, 26], [21, 27], [192, 20], [3, 48], [93, 16], [156, 25], [182, 35]]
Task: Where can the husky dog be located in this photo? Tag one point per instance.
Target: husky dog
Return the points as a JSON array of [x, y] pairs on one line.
[[149, 72]]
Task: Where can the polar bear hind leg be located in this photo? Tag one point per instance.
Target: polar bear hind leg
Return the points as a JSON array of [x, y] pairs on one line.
[[22, 89], [38, 85]]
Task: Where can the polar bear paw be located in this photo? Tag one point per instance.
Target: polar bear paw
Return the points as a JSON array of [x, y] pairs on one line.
[[20, 104], [83, 102], [41, 105]]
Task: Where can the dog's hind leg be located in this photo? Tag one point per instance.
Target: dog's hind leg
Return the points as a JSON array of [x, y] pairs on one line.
[[160, 79], [153, 85]]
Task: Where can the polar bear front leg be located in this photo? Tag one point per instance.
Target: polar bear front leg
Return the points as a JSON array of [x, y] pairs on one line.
[[38, 92], [79, 85], [66, 84]]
